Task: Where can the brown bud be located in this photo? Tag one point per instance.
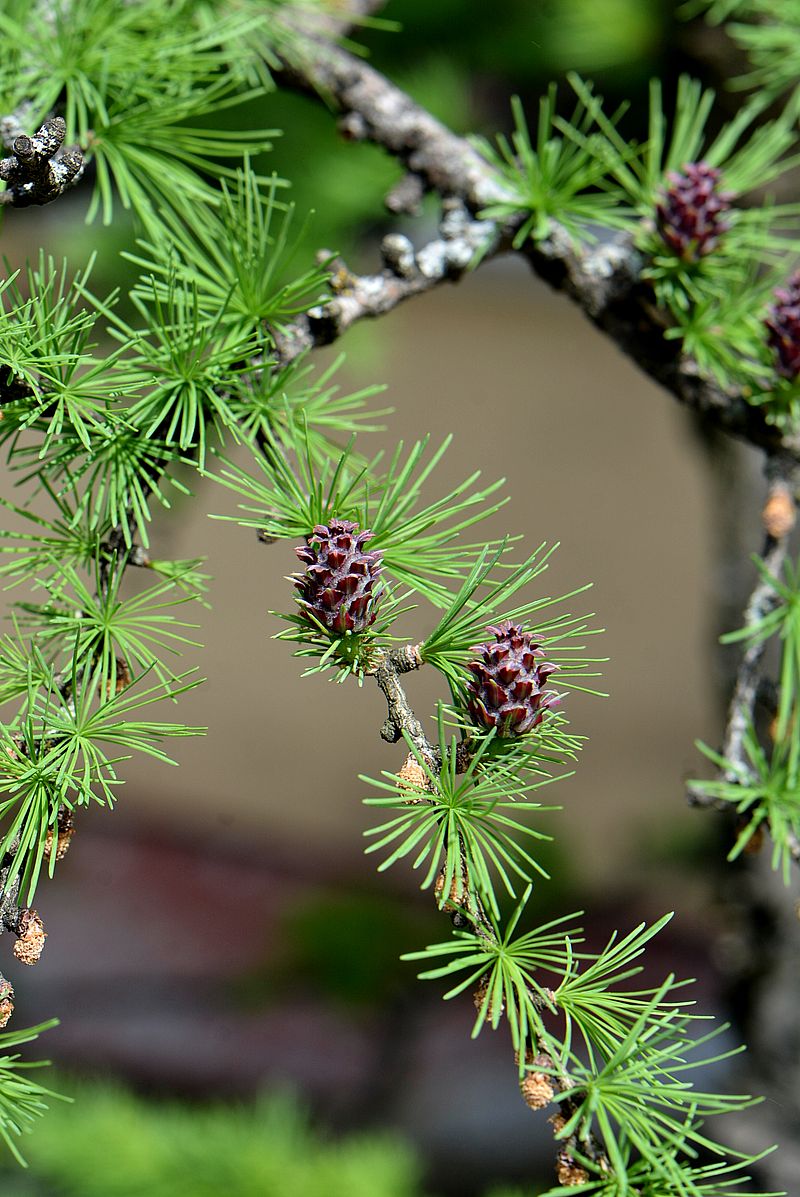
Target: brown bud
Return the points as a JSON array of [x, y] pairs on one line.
[[537, 1090], [122, 681], [457, 898], [479, 998], [57, 840], [569, 1172], [31, 936], [779, 512], [413, 777], [558, 1122], [6, 1003], [756, 841]]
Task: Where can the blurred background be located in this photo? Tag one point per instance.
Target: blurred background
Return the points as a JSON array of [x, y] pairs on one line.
[[196, 936]]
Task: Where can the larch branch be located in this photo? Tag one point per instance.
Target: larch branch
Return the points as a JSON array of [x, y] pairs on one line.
[[605, 280]]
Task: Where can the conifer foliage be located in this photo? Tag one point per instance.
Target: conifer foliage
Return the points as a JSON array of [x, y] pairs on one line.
[[106, 409]]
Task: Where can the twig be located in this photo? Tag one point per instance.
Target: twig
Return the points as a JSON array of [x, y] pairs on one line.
[[387, 670], [41, 167], [407, 272]]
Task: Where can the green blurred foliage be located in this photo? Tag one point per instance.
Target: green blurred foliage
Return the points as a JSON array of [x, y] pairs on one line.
[[345, 946], [529, 41], [122, 1145]]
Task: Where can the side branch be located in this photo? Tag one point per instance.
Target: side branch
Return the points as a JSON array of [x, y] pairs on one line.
[[406, 273], [748, 684], [387, 673], [40, 168]]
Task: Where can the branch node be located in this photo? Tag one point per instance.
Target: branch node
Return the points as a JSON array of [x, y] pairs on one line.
[[353, 127], [405, 198], [390, 732], [398, 255]]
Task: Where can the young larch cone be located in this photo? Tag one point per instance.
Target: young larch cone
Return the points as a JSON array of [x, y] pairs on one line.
[[690, 209], [341, 587], [506, 689], [783, 328]]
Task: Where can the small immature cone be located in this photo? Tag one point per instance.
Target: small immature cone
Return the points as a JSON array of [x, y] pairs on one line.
[[690, 210], [506, 690], [30, 937], [341, 587], [783, 328]]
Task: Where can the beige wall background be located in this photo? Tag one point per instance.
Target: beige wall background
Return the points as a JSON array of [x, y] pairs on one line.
[[596, 458]]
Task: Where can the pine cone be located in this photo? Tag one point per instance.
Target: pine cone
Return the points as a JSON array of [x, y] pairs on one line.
[[689, 212], [506, 690], [783, 328], [340, 587]]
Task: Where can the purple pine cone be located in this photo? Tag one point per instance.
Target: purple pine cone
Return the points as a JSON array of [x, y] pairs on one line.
[[783, 328], [689, 212], [506, 689], [341, 586]]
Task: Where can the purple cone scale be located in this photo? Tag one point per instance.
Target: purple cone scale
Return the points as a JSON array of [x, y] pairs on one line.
[[507, 687], [690, 210], [783, 328], [341, 586]]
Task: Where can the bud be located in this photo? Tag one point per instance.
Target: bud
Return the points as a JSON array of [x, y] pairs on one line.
[[506, 689], [779, 514], [458, 895], [30, 937], [537, 1090], [341, 587], [412, 777], [569, 1172], [479, 997], [689, 211], [6, 1002], [59, 838]]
